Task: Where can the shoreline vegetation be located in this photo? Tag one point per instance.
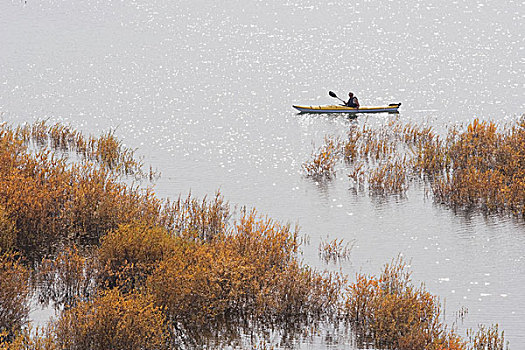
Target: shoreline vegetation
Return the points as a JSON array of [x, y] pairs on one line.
[[127, 270]]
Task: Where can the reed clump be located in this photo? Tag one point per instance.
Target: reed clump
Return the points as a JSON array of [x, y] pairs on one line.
[[128, 255], [106, 150], [65, 278], [389, 178], [30, 338], [335, 250], [479, 166], [389, 312], [46, 200], [487, 170], [322, 164], [14, 296], [487, 338], [198, 219], [112, 321], [250, 275], [8, 232]]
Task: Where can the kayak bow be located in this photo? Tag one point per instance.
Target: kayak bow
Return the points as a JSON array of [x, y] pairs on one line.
[[391, 108]]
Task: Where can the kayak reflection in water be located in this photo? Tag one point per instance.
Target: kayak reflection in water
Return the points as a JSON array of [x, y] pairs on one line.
[[352, 101]]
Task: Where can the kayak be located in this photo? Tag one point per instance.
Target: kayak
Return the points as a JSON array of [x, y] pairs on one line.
[[391, 108]]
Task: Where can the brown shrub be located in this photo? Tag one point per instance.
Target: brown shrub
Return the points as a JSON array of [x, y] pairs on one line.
[[324, 160], [390, 312], [130, 253], [8, 232], [112, 321], [14, 295], [195, 284], [250, 278], [487, 338], [51, 201]]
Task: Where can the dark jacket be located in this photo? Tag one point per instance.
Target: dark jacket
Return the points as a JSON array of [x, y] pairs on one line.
[[352, 102]]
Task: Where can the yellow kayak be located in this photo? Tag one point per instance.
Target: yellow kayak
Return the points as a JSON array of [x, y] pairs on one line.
[[391, 108]]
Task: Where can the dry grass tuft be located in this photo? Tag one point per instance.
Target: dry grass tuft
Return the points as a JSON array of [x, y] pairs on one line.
[[14, 296], [322, 165], [335, 250], [487, 338]]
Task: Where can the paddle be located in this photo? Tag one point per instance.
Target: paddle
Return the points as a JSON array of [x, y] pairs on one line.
[[331, 93]]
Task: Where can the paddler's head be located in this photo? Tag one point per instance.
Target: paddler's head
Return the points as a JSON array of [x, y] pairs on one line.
[[350, 94]]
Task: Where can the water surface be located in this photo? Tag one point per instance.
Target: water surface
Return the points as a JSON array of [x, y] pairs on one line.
[[204, 91]]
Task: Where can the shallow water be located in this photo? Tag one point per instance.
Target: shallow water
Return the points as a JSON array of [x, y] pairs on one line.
[[204, 91]]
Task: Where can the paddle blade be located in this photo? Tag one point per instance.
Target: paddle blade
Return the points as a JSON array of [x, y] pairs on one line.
[[331, 93]]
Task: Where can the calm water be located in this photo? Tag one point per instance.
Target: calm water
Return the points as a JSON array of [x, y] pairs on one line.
[[204, 90]]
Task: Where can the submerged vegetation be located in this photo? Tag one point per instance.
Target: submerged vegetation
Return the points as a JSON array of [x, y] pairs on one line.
[[389, 312], [480, 166], [126, 270], [335, 250], [323, 161]]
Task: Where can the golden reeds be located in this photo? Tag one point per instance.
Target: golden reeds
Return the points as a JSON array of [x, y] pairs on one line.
[[8, 232], [66, 278], [196, 219], [487, 338], [335, 250], [389, 312], [322, 165], [390, 177], [479, 166], [52, 200], [129, 270], [14, 296], [106, 150], [112, 321]]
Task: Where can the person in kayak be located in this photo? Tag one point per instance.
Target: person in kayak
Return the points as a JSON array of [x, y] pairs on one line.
[[352, 101]]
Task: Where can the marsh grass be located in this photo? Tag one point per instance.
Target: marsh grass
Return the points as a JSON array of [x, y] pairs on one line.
[[87, 233], [127, 270], [390, 178], [488, 169], [390, 312], [198, 219], [335, 250], [8, 231], [106, 150], [322, 164], [65, 279], [478, 166], [50, 201], [112, 321], [14, 296], [487, 338]]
